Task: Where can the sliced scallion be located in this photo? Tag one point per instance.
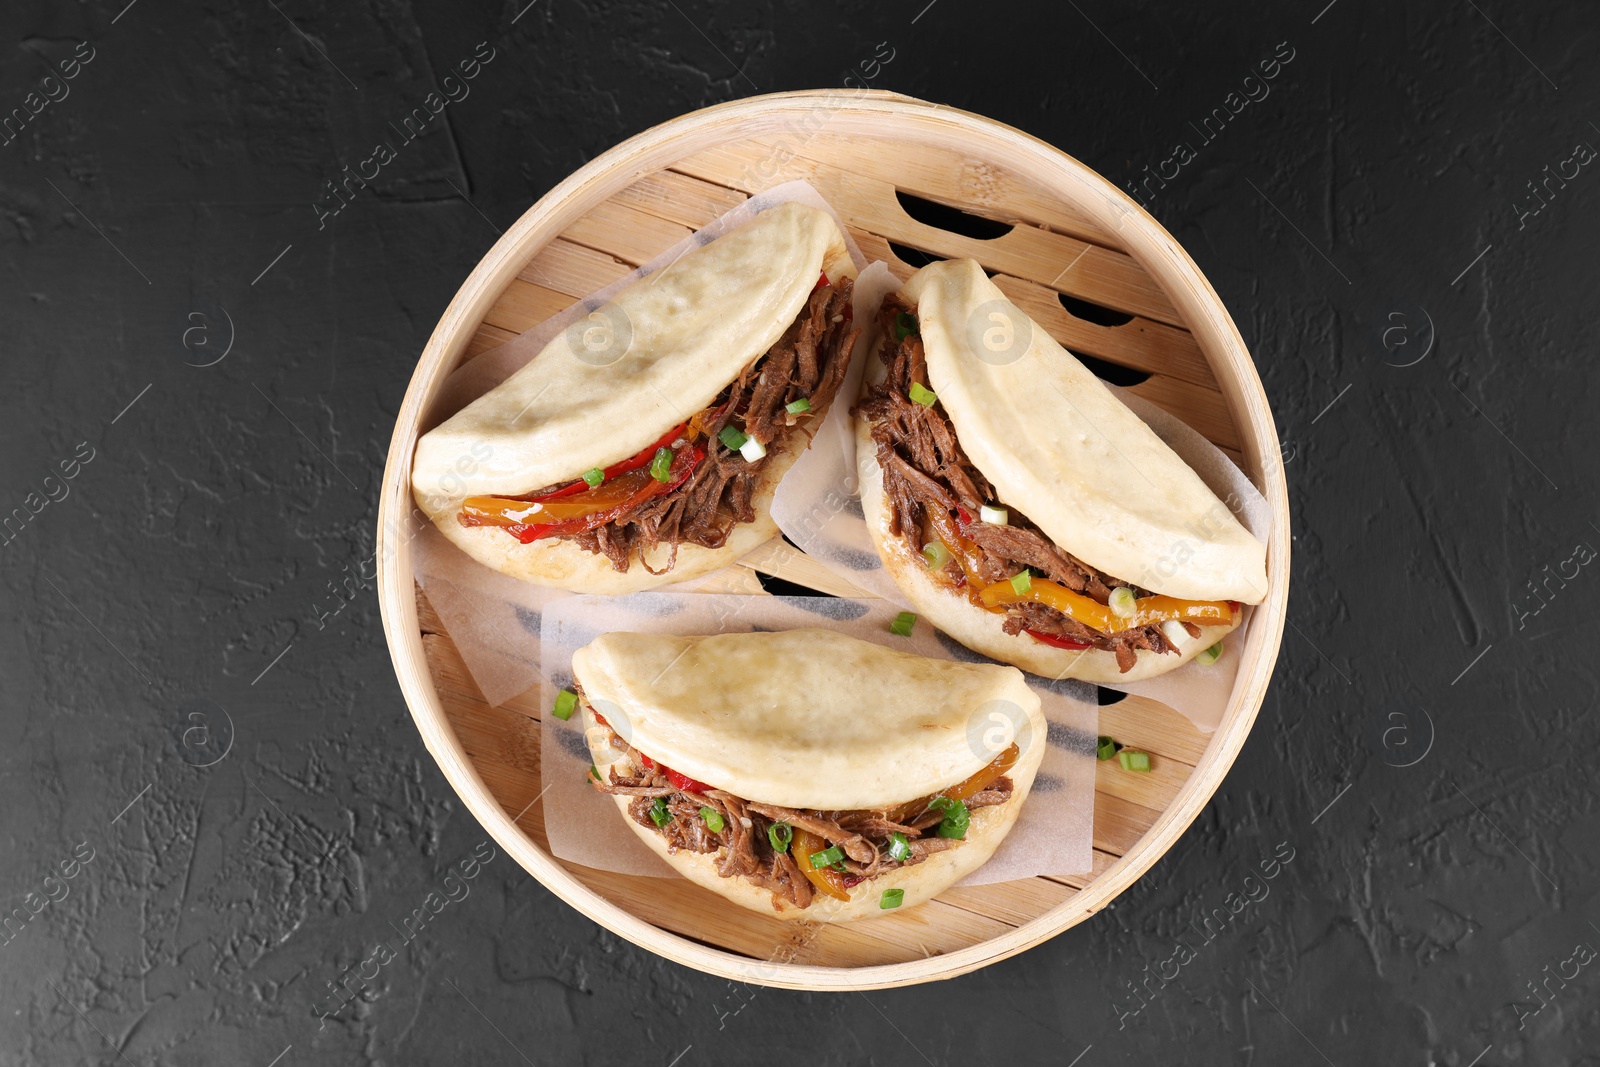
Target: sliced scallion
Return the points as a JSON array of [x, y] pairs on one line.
[[905, 324], [936, 555], [827, 857], [594, 476], [1133, 761], [713, 819], [892, 898], [956, 817], [1174, 632], [752, 450], [1022, 582], [899, 851], [594, 772], [780, 834], [731, 437], [1105, 748], [566, 704], [1210, 655], [1122, 602], [661, 465], [903, 623], [798, 407], [659, 813], [996, 516], [921, 394]]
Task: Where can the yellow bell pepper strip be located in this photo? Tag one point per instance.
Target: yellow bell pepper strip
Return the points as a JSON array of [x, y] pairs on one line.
[[804, 844], [1148, 611]]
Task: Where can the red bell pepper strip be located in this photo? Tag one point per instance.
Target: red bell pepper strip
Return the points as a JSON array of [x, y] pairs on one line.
[[683, 463], [633, 463], [1055, 641]]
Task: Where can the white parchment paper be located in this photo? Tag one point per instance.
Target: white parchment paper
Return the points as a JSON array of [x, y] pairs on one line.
[[1053, 834]]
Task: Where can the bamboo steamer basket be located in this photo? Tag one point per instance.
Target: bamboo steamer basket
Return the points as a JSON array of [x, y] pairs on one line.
[[1057, 237]]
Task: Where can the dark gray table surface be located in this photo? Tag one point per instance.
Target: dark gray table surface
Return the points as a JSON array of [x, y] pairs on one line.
[[1401, 220]]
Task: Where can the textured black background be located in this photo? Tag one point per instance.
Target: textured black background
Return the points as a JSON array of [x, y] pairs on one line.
[[197, 545]]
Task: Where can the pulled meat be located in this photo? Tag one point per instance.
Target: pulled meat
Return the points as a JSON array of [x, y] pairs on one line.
[[809, 361], [925, 470], [742, 847]]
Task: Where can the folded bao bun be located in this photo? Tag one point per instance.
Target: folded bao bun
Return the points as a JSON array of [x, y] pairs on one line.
[[740, 713], [1060, 448], [614, 382]]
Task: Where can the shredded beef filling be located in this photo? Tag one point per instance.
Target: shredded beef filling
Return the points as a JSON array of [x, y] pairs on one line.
[[742, 847], [926, 471], [808, 361]]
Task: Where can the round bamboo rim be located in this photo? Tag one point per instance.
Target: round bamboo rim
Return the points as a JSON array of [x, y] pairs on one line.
[[863, 113]]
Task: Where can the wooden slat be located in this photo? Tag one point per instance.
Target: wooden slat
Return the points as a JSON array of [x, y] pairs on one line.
[[456, 687], [1152, 789], [522, 305], [1088, 271], [1142, 723], [1011, 902], [565, 267], [1141, 344], [681, 198], [942, 175], [487, 337], [1101, 862], [626, 232], [1203, 409], [1119, 823]]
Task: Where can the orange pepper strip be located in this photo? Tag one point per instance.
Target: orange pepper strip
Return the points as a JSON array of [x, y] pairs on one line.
[[508, 511], [1097, 616], [962, 550], [977, 783], [804, 844]]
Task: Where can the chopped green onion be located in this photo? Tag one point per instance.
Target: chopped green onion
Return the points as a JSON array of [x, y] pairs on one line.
[[1105, 748], [594, 772], [936, 554], [921, 394], [798, 407], [827, 857], [1174, 632], [752, 450], [659, 813], [1210, 655], [566, 704], [1022, 582], [898, 849], [594, 476], [780, 834], [1122, 602], [905, 324], [956, 817], [994, 516], [661, 465], [731, 437], [713, 819], [892, 898], [1133, 761], [903, 623]]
